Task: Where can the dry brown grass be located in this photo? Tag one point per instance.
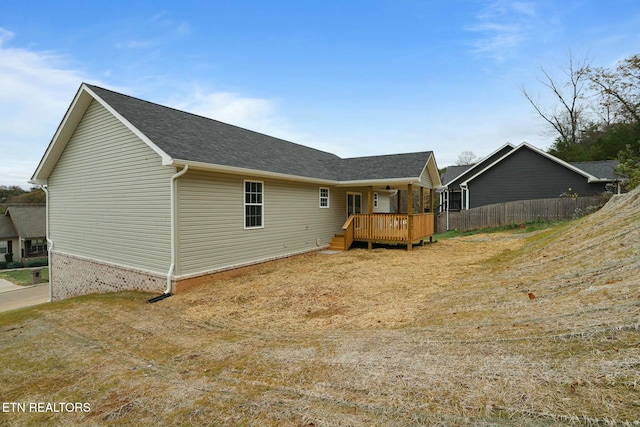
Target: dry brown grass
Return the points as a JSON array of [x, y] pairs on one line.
[[444, 335]]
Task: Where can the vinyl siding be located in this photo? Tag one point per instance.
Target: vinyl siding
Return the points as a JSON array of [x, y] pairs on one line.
[[425, 179], [109, 196], [384, 202], [211, 231], [526, 175]]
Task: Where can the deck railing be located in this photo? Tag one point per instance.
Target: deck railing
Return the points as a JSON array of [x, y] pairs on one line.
[[392, 228]]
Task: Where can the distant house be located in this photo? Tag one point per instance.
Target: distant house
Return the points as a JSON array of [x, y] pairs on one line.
[[142, 196], [23, 232], [523, 173]]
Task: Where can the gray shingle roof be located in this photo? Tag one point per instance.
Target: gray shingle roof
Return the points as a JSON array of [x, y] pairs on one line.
[[189, 137], [7, 229], [603, 169], [29, 221], [453, 172], [383, 167]]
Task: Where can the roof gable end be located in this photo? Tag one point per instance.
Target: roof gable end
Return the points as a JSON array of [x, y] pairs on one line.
[[68, 125], [526, 146], [471, 170]]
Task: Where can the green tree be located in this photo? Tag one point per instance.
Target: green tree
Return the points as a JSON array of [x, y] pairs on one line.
[[598, 114], [630, 165]]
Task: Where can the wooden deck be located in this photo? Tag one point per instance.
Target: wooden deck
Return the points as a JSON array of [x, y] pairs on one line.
[[386, 228]]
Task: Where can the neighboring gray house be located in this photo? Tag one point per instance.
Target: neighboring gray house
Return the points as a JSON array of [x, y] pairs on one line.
[[523, 173], [142, 196], [451, 197], [22, 232]]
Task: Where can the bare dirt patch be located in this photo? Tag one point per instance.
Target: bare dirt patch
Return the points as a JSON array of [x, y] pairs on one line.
[[535, 328]]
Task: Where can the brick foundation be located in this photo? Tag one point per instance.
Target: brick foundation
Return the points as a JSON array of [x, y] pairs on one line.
[[74, 276]]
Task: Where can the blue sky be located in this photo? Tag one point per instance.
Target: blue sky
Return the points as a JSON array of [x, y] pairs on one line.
[[354, 78]]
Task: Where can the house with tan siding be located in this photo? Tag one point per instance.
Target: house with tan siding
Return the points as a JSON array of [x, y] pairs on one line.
[[22, 233], [141, 196]]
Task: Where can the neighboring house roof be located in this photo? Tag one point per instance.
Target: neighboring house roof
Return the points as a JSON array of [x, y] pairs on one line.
[[7, 230], [29, 221], [460, 173], [598, 171], [182, 138], [603, 169], [453, 172]]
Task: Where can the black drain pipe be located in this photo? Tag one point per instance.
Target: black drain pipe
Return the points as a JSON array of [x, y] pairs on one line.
[[159, 298]]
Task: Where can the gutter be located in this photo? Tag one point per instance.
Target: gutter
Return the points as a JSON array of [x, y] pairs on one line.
[[172, 266], [45, 188]]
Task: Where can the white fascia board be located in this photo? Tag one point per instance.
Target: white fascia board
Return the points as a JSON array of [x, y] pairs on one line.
[[246, 172], [590, 178], [384, 182], [286, 177], [166, 159]]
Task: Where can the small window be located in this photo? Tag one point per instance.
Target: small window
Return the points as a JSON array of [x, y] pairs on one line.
[[375, 200], [253, 204], [36, 247], [4, 247], [324, 197]]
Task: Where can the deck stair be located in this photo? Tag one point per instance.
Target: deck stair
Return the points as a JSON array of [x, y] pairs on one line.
[[337, 243]]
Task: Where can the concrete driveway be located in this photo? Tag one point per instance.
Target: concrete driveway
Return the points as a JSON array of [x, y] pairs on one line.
[[13, 296]]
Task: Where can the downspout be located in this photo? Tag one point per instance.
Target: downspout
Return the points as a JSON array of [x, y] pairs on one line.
[[45, 188], [465, 193], [172, 266], [446, 198]]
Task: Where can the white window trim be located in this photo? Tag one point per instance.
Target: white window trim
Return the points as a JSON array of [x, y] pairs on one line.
[[245, 204], [320, 197]]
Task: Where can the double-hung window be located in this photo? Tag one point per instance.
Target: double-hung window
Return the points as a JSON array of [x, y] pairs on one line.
[[324, 197], [253, 204]]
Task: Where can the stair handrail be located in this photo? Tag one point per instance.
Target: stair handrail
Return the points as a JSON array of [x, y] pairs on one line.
[[348, 232], [347, 224]]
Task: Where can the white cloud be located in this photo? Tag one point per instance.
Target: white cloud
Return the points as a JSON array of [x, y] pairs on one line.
[[227, 107], [257, 114], [503, 26], [35, 91]]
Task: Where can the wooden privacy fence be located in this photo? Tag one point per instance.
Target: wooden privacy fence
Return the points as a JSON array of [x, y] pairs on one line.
[[519, 212]]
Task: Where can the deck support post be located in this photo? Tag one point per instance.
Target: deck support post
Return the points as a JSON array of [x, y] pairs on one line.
[[410, 219], [370, 208], [431, 199]]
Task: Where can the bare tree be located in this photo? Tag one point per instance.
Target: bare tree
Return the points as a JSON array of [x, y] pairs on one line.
[[466, 158], [620, 89], [568, 117]]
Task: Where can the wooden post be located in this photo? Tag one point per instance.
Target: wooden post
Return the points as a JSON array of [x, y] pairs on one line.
[[410, 215], [370, 221], [432, 213]]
